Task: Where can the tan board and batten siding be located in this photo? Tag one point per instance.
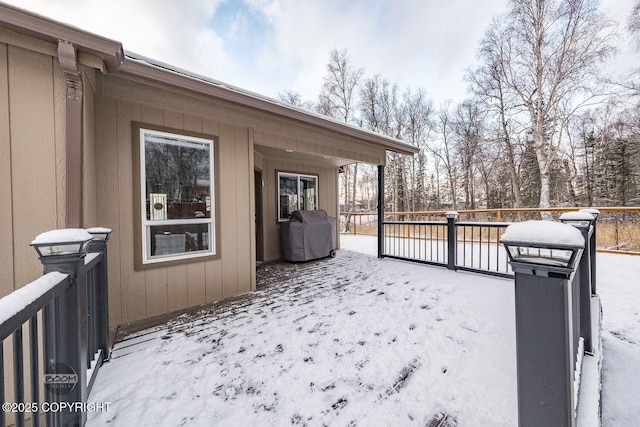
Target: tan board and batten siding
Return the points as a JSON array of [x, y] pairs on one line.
[[32, 157], [140, 294], [33, 174]]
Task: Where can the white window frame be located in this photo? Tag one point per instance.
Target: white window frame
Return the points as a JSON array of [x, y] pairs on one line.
[[147, 258], [298, 176]]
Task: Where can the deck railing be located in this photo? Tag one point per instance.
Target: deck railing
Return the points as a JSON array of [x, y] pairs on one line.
[[477, 245], [618, 227], [64, 316]]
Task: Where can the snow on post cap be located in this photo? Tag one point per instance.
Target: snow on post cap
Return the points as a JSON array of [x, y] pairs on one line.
[[577, 216], [64, 235], [451, 213], [544, 232], [593, 211], [99, 230]]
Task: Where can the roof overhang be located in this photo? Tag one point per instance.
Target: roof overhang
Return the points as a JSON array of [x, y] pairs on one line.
[[136, 66], [43, 28]]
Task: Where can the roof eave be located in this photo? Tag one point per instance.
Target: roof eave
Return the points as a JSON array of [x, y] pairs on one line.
[[221, 91], [41, 27]]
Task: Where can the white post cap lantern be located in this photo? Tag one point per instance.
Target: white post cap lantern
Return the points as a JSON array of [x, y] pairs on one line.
[[100, 233], [578, 219], [452, 214], [594, 212], [543, 243], [67, 241]]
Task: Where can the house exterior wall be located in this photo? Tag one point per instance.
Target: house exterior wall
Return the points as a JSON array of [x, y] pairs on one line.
[[135, 294], [33, 175], [327, 198], [32, 154]]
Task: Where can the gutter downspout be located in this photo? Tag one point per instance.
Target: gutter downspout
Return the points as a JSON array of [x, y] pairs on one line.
[[74, 179]]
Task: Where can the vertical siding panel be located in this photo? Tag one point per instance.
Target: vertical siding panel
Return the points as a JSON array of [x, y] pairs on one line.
[[272, 229], [32, 148], [173, 119], [89, 191], [195, 284], [196, 276], [252, 209], [6, 210], [213, 269], [177, 287], [133, 291], [108, 204], [193, 123], [152, 115], [7, 283], [245, 221], [156, 288], [228, 211], [60, 125]]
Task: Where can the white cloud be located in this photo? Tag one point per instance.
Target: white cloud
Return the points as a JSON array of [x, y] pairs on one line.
[[284, 44]]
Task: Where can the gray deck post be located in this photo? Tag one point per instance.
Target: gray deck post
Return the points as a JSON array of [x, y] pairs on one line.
[[99, 244], [452, 239], [380, 211], [584, 289], [592, 246], [592, 258], [65, 372], [546, 344]]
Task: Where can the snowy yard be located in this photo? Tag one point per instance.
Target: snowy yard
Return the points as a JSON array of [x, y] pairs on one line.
[[354, 341]]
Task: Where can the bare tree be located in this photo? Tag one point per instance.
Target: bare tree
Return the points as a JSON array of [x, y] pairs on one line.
[[292, 97], [442, 148], [634, 23], [468, 133], [339, 89], [487, 83], [548, 56], [381, 112], [417, 117], [338, 96]]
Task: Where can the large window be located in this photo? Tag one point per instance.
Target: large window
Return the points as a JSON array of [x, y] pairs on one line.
[[177, 209], [296, 192]]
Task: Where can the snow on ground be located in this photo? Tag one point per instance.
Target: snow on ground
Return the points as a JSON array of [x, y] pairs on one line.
[[619, 287], [354, 341]]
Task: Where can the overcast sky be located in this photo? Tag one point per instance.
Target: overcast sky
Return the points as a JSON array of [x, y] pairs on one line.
[[269, 46]]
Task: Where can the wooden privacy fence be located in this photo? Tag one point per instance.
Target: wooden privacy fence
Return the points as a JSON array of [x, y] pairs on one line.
[[64, 317], [618, 227]]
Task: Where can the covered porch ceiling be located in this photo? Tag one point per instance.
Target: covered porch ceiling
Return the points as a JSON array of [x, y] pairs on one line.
[[302, 157]]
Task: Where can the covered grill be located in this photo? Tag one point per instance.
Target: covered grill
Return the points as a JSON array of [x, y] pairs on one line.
[[308, 235]]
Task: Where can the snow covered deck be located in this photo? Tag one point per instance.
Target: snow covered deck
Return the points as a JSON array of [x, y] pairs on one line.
[[347, 341]]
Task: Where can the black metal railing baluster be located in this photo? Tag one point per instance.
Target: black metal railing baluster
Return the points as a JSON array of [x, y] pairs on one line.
[[3, 419], [34, 369], [18, 374]]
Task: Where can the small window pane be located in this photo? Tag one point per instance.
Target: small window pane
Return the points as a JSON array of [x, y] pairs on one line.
[[177, 239], [308, 193], [178, 178], [288, 196], [296, 192]]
